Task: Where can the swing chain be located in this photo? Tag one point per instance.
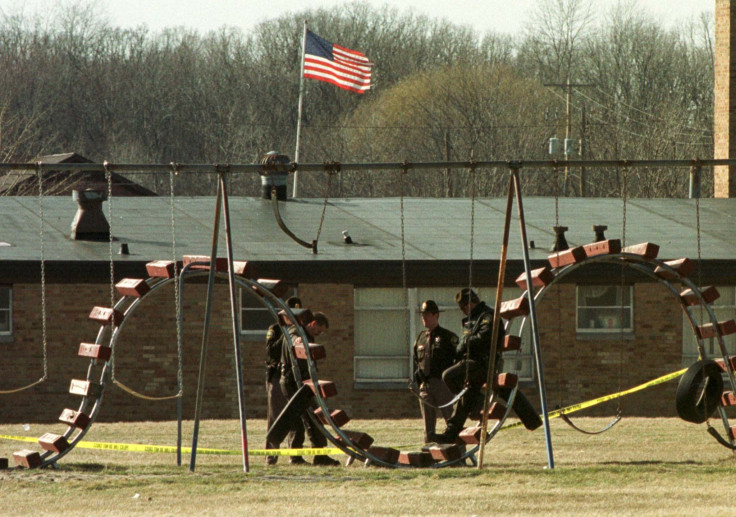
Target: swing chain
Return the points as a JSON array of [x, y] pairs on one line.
[[404, 290], [557, 194], [331, 168], [43, 272], [404, 171], [471, 171], [179, 372], [622, 313], [473, 165], [624, 193], [108, 178]]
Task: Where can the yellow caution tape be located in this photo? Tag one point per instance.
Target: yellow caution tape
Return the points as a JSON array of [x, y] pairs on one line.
[[132, 447], [584, 405]]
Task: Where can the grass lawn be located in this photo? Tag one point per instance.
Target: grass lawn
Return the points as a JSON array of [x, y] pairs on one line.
[[642, 466]]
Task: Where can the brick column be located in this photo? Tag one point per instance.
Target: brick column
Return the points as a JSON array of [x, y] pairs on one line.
[[724, 117]]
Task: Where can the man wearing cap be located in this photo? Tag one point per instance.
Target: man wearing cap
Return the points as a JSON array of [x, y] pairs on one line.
[[473, 356], [472, 361], [274, 396], [313, 326], [434, 352]]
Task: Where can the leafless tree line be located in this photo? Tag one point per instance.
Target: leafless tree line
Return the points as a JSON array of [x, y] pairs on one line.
[[441, 92]]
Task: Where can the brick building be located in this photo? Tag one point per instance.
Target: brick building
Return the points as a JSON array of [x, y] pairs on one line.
[[600, 332]]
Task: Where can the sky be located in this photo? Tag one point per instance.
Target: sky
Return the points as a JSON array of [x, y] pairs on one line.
[[502, 16]]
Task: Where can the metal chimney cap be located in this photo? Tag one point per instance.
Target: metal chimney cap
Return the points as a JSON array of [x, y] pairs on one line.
[[89, 195]]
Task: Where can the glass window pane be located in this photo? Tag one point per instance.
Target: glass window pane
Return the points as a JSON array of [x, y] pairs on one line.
[[256, 319], [381, 326], [604, 308], [367, 368], [4, 321], [380, 333], [4, 297], [379, 298], [254, 316]]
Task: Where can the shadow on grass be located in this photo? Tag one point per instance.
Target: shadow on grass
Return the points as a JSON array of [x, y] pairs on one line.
[[96, 467], [640, 463]]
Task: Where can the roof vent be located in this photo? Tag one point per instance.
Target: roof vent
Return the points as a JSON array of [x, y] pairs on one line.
[[599, 229], [274, 174], [90, 223], [560, 240]]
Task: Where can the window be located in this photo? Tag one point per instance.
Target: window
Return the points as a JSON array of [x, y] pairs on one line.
[[381, 337], [387, 321], [6, 310], [604, 309], [255, 318], [724, 309]]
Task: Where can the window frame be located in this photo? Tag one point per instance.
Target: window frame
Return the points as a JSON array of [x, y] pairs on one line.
[[256, 334], [365, 382], [7, 335], [450, 319], [589, 331]]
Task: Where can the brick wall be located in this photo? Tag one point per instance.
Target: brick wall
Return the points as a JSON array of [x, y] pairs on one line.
[[724, 101], [578, 369], [575, 369]]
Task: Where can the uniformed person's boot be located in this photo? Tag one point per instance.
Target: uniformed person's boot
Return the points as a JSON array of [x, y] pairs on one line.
[[325, 461], [449, 436], [451, 433]]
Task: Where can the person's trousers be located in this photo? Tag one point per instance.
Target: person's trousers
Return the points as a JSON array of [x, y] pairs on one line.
[[435, 392]]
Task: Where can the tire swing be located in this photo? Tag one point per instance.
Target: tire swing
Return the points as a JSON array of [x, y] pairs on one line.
[[699, 391]]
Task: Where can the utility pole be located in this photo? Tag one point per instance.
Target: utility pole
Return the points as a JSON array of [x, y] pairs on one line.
[[568, 146], [448, 184], [583, 127]]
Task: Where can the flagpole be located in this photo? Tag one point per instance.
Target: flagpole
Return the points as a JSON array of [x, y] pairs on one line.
[[299, 112]]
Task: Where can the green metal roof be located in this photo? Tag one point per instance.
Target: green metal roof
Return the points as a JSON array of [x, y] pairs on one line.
[[435, 229]]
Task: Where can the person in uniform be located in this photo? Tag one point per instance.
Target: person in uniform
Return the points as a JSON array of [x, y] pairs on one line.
[[471, 369], [434, 352], [471, 354], [313, 328], [274, 396]]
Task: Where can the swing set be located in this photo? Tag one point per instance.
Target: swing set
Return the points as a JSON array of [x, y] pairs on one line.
[[700, 392]]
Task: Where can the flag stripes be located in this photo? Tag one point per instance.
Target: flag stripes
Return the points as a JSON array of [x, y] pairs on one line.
[[343, 67]]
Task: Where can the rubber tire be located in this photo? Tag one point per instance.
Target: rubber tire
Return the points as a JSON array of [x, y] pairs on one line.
[[689, 407], [523, 409]]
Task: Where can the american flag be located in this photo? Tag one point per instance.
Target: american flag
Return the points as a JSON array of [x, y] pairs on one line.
[[345, 68]]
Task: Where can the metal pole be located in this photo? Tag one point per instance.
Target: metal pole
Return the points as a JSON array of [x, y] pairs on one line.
[[205, 331], [568, 132], [299, 112], [533, 319], [496, 322], [235, 319], [179, 334], [131, 168]]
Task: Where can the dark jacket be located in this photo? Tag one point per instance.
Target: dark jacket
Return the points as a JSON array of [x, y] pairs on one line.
[[286, 370], [273, 350], [441, 344], [477, 333]]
